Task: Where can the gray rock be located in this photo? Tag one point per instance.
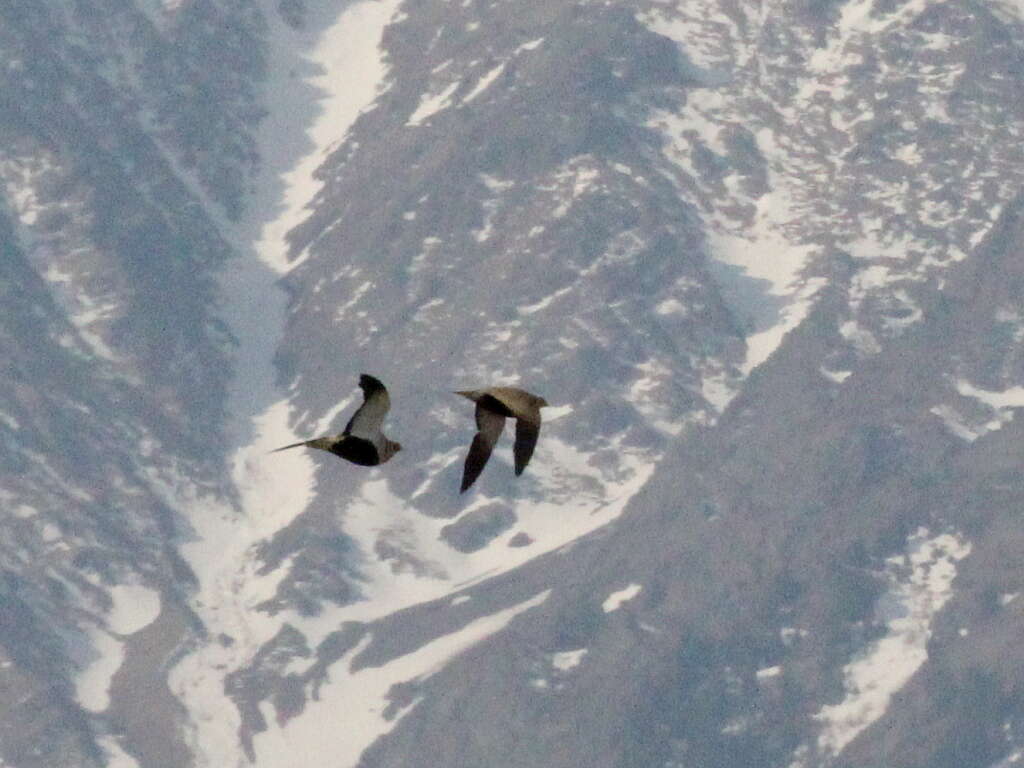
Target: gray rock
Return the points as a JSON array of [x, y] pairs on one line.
[[476, 529]]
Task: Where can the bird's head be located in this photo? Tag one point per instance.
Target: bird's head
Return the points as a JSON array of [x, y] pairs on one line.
[[542, 403], [390, 449]]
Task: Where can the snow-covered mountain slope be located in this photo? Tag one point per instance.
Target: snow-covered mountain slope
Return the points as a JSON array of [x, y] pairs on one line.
[[777, 214], [805, 606], [761, 257], [117, 365]]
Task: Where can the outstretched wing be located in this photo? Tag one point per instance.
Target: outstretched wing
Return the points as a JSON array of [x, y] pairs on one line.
[[489, 426], [367, 420], [526, 440]]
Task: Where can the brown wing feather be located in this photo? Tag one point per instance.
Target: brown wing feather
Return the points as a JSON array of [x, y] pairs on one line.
[[516, 400], [526, 441], [489, 426]]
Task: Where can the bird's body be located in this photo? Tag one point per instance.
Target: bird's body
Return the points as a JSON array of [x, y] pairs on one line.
[[493, 406], [362, 442]]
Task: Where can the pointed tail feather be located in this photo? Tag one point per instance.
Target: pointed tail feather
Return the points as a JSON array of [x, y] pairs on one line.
[[286, 447]]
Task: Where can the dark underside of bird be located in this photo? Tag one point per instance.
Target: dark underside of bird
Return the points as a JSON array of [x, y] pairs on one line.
[[347, 447], [353, 450], [356, 450]]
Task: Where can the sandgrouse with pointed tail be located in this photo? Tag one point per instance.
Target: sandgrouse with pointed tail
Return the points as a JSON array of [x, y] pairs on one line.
[[362, 442], [493, 406]]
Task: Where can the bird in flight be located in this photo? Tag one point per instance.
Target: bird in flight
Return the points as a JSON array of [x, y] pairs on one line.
[[493, 406], [362, 442]]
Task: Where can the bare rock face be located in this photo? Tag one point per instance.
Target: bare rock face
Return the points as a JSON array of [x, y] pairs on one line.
[[763, 260], [521, 539], [476, 529]]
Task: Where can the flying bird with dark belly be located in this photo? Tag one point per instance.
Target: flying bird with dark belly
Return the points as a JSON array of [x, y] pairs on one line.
[[493, 406], [362, 442]]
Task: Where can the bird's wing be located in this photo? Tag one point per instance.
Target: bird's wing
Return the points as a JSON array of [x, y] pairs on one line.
[[489, 426], [510, 400], [526, 440], [367, 420]]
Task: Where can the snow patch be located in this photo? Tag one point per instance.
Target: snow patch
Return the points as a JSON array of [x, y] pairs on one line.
[[21, 178], [955, 423], [350, 68], [699, 28], [339, 71], [1008, 11], [765, 253], [1013, 758], [761, 345], [671, 307], [1012, 397], [24, 511], [49, 533], [92, 685], [615, 600], [135, 608], [789, 635], [1011, 317], [564, 661], [861, 339], [837, 376], [553, 412], [359, 699], [568, 183], [9, 421], [572, 497], [1000, 403], [116, 756], [530, 45], [496, 184], [643, 393], [909, 154], [490, 207], [718, 387], [483, 83], [921, 582], [530, 309], [767, 673], [325, 422], [735, 726], [758, 261], [431, 104]]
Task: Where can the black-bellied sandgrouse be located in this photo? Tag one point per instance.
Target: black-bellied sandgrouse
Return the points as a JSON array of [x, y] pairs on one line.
[[493, 406], [362, 442]]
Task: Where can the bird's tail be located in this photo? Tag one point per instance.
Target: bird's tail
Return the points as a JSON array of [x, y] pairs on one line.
[[286, 447]]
